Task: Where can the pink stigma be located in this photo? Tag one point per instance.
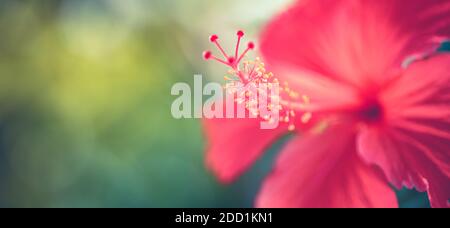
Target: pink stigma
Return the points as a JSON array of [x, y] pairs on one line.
[[213, 38], [232, 61], [207, 55], [251, 45]]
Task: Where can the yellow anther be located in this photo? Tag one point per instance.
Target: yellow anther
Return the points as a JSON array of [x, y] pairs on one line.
[[306, 99], [291, 127], [306, 117]]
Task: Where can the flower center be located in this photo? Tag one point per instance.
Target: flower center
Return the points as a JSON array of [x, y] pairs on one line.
[[371, 112]]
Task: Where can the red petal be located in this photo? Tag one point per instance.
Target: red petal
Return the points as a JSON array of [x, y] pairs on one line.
[[424, 89], [414, 148], [354, 41], [326, 95], [311, 173], [408, 160], [234, 144]]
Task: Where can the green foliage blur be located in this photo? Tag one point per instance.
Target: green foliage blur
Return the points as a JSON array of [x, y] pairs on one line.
[[85, 102]]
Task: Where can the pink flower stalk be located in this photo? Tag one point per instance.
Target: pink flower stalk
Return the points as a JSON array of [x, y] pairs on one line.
[[375, 122]]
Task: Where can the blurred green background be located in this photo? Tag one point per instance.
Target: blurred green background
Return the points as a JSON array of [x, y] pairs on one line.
[[85, 103]]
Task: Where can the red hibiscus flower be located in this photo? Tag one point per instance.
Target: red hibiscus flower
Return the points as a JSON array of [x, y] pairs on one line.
[[383, 122]]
